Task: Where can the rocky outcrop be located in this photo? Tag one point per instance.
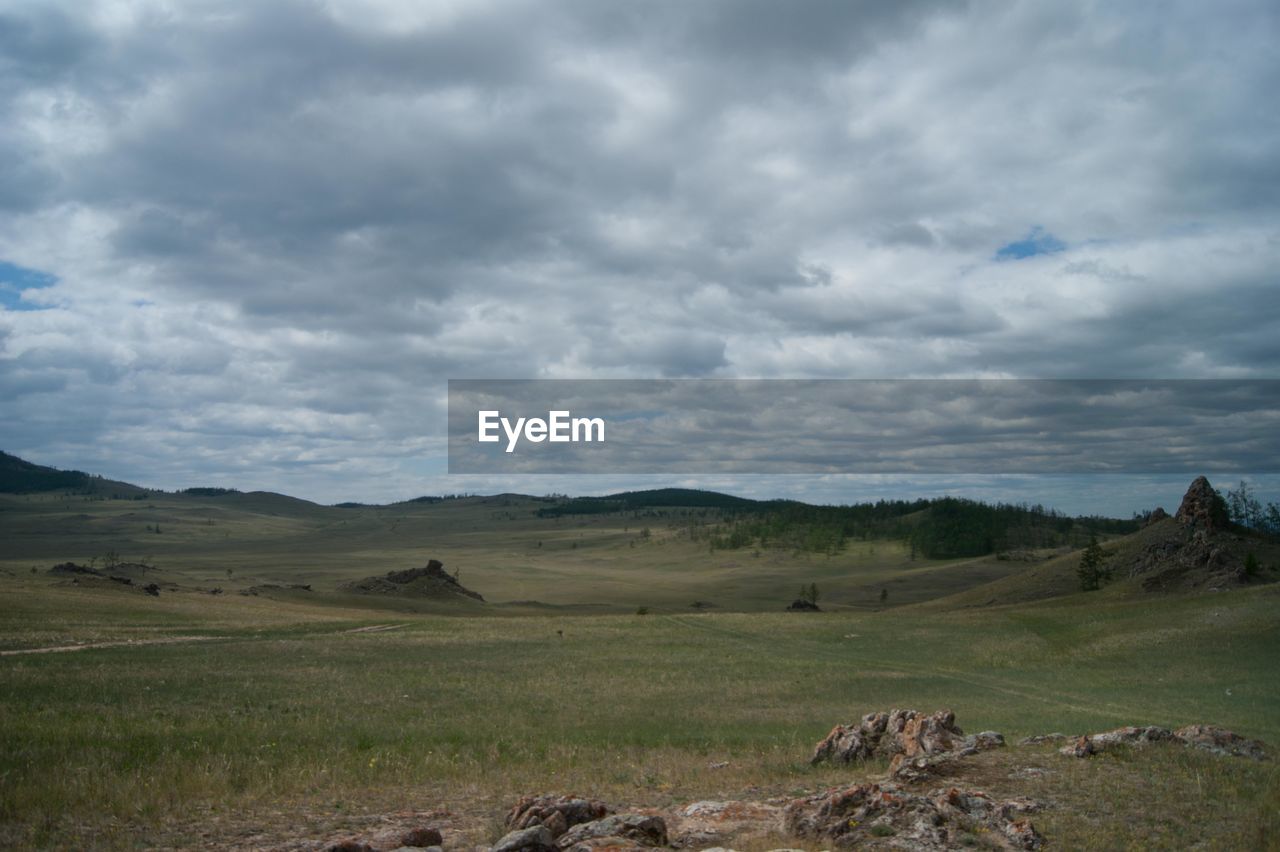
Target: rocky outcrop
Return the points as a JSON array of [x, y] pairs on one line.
[[801, 605], [919, 746], [885, 735], [944, 818], [1155, 516], [557, 813], [1203, 508], [1206, 737], [431, 580], [71, 568]]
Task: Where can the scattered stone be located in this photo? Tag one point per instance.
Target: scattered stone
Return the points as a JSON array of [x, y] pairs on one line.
[[941, 819], [1046, 738], [630, 829], [1220, 741], [557, 813], [152, 589], [534, 839]]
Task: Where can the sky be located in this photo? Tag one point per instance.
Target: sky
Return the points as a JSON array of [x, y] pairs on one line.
[[248, 243]]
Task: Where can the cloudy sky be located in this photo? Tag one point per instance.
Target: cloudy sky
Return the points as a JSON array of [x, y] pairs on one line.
[[247, 243]]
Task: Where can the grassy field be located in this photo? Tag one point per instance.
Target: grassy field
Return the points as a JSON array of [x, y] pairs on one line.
[[281, 715], [233, 721]]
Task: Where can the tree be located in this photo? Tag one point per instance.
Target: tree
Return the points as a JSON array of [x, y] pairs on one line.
[[1091, 571], [1251, 565], [884, 595]]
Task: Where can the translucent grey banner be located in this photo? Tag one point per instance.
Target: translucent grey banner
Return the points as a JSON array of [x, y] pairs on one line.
[[710, 426]]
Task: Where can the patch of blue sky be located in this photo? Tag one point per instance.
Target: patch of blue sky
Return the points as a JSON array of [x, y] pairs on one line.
[[14, 280], [1037, 241]]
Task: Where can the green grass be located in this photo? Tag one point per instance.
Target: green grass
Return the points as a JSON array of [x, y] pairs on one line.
[[283, 712]]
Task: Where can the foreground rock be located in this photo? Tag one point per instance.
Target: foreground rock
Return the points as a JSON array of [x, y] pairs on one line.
[[1206, 737], [884, 815], [557, 813], [619, 831], [535, 839]]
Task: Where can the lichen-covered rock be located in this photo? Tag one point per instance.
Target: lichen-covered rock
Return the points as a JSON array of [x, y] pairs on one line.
[[941, 819], [557, 813], [1221, 741], [709, 823], [638, 829], [1090, 744], [906, 732]]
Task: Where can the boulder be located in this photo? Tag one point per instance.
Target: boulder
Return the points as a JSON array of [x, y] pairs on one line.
[[535, 839], [631, 829]]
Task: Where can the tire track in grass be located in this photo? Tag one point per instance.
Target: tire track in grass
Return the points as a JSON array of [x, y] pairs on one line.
[[755, 641], [182, 640]]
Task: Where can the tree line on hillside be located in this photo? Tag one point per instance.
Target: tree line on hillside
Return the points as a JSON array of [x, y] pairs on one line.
[[22, 477], [941, 528]]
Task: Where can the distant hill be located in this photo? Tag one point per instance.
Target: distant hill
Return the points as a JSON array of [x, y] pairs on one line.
[[939, 528], [627, 501], [18, 476], [21, 477]]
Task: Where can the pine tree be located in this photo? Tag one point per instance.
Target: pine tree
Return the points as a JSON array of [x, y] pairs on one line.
[[1091, 571]]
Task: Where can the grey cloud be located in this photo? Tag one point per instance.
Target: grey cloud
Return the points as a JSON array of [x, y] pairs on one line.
[[329, 217]]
